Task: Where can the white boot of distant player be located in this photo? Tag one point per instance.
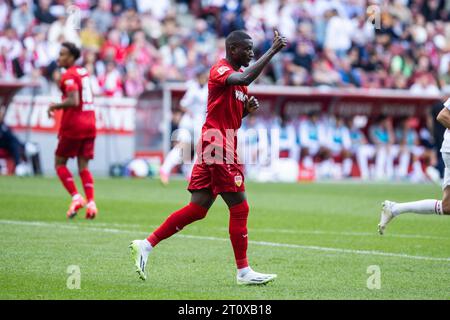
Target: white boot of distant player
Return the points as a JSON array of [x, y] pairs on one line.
[[347, 165], [403, 164], [392, 209], [174, 157]]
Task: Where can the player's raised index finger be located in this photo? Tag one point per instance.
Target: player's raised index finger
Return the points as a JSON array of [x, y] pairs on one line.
[[275, 31]]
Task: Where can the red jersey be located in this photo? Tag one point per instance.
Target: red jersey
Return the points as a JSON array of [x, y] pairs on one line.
[[225, 107], [77, 122]]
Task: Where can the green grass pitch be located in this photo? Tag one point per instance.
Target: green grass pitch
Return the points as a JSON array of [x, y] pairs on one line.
[[319, 238]]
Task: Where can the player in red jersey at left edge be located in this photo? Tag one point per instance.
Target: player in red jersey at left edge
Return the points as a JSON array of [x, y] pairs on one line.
[[77, 132]]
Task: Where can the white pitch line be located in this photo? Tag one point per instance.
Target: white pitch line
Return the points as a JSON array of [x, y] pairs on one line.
[[261, 243], [290, 231], [350, 233]]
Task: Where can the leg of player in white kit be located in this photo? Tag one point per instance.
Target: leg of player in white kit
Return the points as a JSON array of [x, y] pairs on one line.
[[176, 156], [391, 209], [172, 159]]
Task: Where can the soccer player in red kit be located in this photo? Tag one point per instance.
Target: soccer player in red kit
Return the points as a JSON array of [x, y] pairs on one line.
[[77, 131], [217, 170]]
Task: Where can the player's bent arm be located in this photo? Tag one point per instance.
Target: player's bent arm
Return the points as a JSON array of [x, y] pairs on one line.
[[444, 117], [252, 72]]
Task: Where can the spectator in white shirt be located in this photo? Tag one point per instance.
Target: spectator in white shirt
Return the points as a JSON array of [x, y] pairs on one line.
[[22, 18], [338, 34]]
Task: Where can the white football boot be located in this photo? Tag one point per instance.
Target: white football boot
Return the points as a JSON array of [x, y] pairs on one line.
[[139, 255], [253, 277], [386, 215]]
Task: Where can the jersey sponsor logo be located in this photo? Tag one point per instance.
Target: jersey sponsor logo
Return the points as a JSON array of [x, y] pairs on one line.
[[240, 95], [238, 180], [222, 70]]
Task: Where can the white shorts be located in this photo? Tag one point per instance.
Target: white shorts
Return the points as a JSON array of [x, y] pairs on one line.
[[189, 129], [446, 158]]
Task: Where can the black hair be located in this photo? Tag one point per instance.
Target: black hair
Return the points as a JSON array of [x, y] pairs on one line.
[[73, 49], [236, 36]]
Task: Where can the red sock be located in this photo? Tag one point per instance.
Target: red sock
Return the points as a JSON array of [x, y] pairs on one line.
[[177, 221], [88, 184], [67, 179], [238, 233]]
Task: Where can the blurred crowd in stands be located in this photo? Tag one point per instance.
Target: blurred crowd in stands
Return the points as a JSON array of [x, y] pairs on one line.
[[133, 45]]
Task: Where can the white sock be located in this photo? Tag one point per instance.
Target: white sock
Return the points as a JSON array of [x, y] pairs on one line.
[[421, 207], [242, 272], [76, 196], [173, 158], [146, 245]]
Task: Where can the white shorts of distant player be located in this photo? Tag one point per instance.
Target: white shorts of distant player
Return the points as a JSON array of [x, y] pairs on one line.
[[446, 158], [188, 132], [404, 155], [189, 128]]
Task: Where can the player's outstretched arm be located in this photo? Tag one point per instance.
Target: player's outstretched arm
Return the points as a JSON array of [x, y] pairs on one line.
[[71, 101], [252, 72]]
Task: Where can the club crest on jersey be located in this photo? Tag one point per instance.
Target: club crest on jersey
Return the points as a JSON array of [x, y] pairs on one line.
[[240, 95], [238, 180], [222, 70]]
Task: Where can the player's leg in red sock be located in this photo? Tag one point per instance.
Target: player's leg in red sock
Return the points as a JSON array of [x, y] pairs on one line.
[[197, 209], [238, 206], [65, 176], [177, 221], [88, 184], [238, 233]]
